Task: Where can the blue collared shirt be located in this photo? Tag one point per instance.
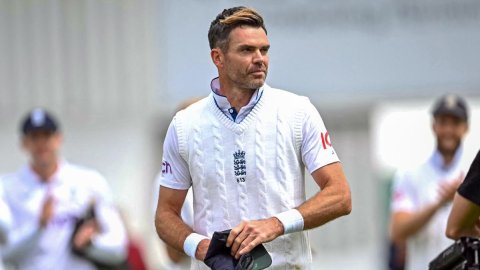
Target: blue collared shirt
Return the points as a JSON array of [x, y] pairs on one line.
[[438, 161], [226, 107]]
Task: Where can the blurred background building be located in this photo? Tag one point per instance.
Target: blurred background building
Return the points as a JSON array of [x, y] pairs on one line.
[[115, 70]]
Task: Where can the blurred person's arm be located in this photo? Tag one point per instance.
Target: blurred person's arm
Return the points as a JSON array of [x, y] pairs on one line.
[[20, 243], [463, 219], [5, 219], [406, 224], [21, 240], [108, 242], [465, 213], [109, 246]]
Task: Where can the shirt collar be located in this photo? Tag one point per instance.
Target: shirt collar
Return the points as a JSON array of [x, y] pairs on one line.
[[31, 175], [439, 162], [225, 106]]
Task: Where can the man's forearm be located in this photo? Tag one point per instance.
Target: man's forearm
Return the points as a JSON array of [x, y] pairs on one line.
[[21, 242], [463, 219], [405, 225], [332, 201], [171, 228], [325, 206]]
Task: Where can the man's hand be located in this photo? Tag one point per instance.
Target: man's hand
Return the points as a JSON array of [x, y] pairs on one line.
[[47, 211], [447, 189], [249, 234], [202, 249], [84, 235]]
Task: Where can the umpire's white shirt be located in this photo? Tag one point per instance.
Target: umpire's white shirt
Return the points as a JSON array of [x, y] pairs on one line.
[[416, 188], [73, 188]]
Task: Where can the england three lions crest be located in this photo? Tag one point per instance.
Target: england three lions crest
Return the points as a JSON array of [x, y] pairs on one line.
[[239, 166]]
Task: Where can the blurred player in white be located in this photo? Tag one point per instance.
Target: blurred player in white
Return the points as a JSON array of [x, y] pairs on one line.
[[422, 196], [5, 221], [48, 196]]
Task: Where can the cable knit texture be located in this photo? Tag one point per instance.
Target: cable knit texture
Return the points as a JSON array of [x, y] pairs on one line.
[[249, 170]]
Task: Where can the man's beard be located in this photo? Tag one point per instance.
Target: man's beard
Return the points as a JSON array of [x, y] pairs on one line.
[[251, 84], [447, 150], [254, 85]]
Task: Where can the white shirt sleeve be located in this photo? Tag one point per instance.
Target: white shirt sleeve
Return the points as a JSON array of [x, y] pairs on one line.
[[5, 218], [317, 149], [110, 245], [175, 172], [402, 193], [20, 242]]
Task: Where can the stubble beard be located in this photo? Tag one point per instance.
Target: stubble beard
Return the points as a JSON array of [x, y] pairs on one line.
[[248, 83], [447, 150]]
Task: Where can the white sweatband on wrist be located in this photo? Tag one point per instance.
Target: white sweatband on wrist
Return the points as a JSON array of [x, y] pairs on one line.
[[292, 221], [191, 243]]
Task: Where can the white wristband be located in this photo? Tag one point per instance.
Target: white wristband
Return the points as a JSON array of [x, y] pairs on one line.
[[191, 243], [292, 221]]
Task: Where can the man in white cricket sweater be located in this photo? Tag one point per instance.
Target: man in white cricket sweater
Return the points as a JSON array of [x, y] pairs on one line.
[[243, 150]]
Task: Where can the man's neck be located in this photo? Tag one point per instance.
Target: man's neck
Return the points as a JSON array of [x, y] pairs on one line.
[[447, 160], [448, 157], [240, 98], [237, 97], [45, 172]]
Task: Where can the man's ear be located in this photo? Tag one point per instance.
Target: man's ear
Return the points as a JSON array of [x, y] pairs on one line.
[[433, 125], [23, 142], [467, 127], [217, 57], [59, 138]]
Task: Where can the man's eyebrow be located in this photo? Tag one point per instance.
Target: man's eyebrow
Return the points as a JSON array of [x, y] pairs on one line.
[[247, 46]]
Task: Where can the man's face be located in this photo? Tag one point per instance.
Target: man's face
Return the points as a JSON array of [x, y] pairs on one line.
[[43, 147], [449, 131], [246, 60]]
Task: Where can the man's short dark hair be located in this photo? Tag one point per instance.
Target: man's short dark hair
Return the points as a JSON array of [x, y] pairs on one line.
[[230, 19]]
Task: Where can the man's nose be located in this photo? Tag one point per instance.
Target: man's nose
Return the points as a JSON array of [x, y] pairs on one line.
[[258, 57]]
